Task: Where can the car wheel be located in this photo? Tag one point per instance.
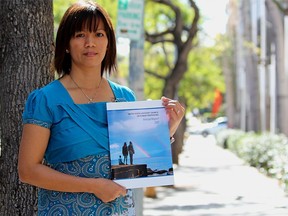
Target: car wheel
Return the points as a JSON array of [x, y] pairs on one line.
[[205, 133]]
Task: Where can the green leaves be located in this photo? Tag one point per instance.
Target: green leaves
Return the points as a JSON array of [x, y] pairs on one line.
[[266, 151]]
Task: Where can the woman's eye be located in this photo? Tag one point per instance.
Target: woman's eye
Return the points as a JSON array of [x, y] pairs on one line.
[[79, 35], [100, 34]]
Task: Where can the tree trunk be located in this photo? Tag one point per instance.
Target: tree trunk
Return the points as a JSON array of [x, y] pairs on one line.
[[177, 146], [229, 70], [26, 51], [229, 75], [252, 79], [170, 91], [183, 48]]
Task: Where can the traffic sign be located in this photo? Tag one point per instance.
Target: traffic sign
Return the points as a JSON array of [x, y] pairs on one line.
[[130, 19]]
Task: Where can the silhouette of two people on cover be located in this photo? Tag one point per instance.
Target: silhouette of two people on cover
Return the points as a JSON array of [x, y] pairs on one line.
[[125, 151]]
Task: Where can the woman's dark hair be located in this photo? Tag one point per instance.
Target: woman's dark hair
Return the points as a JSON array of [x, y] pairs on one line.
[[79, 16]]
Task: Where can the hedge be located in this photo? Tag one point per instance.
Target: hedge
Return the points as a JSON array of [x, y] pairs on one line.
[[266, 151]]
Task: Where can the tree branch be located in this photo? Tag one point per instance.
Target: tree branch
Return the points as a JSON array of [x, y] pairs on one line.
[[166, 57], [177, 31], [279, 6], [193, 29], [158, 37], [152, 73]]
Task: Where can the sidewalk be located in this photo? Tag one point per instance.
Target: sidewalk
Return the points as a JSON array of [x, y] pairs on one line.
[[211, 181]]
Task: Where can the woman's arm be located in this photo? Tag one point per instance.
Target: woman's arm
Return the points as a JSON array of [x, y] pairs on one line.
[[175, 113], [31, 170]]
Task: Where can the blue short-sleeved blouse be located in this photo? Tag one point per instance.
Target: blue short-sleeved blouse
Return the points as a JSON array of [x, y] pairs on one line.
[[78, 145], [77, 130]]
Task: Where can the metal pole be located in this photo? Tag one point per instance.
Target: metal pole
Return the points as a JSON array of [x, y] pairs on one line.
[[131, 25], [136, 68], [136, 83]]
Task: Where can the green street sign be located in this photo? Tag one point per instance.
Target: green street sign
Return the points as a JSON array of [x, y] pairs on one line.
[[130, 19], [122, 4]]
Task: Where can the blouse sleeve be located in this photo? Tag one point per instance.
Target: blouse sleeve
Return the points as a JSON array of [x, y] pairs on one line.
[[128, 94], [37, 111]]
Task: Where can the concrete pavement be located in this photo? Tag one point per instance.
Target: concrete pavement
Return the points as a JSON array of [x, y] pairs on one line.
[[211, 181]]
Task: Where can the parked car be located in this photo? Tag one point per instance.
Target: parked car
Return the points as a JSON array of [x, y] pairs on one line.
[[213, 128]]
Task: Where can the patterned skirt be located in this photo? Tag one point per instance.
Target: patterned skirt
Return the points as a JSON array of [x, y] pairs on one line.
[[54, 203]]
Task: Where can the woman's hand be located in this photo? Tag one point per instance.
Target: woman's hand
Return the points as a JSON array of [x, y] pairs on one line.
[[107, 190], [175, 113]]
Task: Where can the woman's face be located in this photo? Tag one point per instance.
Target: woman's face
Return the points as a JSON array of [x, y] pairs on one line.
[[88, 49]]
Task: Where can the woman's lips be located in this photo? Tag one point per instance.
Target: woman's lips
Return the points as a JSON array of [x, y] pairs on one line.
[[90, 54]]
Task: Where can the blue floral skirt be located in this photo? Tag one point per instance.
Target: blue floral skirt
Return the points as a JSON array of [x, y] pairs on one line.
[[56, 203]]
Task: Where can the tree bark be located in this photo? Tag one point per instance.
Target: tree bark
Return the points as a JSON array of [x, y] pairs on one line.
[[26, 51], [252, 79]]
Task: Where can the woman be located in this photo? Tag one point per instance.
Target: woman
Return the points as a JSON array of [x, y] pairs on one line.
[[125, 152], [65, 122], [131, 152]]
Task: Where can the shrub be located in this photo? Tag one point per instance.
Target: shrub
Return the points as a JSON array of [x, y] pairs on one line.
[[228, 138], [267, 152]]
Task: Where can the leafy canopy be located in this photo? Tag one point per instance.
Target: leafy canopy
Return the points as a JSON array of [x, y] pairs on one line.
[[204, 72]]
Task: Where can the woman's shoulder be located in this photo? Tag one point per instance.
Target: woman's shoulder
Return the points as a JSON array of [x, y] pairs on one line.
[[48, 92], [122, 93], [48, 88], [38, 106], [51, 88]]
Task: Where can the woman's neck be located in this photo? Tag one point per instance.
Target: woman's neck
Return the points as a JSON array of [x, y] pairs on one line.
[[86, 79]]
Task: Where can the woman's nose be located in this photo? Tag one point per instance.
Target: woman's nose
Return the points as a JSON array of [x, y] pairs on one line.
[[90, 41]]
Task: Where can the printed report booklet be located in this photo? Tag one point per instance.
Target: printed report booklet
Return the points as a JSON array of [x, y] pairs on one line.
[[140, 148]]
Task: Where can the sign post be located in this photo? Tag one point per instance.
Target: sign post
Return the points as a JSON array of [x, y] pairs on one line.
[[130, 24]]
